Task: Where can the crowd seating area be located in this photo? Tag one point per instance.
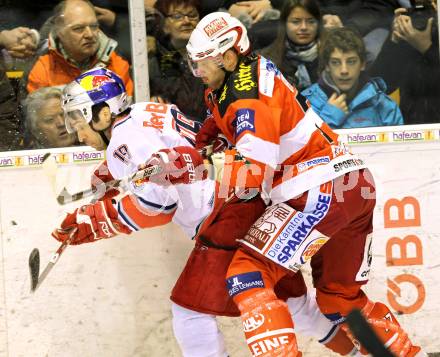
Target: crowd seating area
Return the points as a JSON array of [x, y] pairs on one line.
[[359, 63]]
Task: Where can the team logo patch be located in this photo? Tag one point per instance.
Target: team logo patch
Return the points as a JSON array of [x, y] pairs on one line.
[[215, 26], [90, 82], [268, 72], [268, 224], [312, 248], [288, 237], [364, 270], [244, 121], [305, 165], [242, 282], [340, 149], [297, 230], [335, 318], [348, 164], [253, 322]]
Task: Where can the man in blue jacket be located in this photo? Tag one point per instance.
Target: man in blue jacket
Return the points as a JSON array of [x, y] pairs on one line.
[[344, 96]]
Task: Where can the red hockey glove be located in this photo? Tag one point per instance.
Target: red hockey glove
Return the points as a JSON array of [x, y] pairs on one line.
[[100, 176], [93, 222], [207, 133], [220, 144], [181, 164]]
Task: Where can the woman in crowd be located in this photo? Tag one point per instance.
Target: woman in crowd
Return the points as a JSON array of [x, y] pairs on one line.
[[295, 50]]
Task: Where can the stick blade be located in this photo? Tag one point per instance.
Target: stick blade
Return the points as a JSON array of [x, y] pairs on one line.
[[34, 268], [64, 197], [45, 156]]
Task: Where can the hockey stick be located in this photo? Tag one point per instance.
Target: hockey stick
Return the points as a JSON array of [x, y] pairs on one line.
[[34, 263], [49, 166], [363, 332], [66, 197]]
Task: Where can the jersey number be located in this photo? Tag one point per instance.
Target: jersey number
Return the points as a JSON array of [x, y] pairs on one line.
[[122, 153], [185, 127]]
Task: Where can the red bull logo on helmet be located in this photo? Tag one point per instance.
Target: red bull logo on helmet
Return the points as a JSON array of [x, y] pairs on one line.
[[94, 81]]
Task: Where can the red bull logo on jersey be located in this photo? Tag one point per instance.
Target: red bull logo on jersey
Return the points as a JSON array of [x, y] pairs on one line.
[[91, 82]]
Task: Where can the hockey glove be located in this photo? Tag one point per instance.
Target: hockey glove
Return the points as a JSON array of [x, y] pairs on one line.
[[93, 222], [220, 144], [181, 164], [207, 133], [100, 176], [232, 169]]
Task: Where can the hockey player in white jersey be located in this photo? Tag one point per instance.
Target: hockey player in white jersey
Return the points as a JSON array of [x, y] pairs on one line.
[[97, 99]]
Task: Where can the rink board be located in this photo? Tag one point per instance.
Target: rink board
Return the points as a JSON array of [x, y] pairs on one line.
[[111, 298]]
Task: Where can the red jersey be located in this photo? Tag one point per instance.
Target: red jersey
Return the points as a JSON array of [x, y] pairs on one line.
[[272, 125]]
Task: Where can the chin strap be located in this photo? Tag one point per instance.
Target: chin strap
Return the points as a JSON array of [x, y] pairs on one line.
[[104, 137]]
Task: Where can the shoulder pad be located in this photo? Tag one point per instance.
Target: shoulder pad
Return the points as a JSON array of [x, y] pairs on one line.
[[241, 84]]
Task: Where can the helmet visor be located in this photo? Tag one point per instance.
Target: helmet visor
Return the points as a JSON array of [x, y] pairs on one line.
[[203, 67], [74, 120]]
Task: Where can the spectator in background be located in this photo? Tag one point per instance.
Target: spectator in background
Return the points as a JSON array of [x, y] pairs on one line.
[[9, 123], [260, 18], [363, 15], [295, 50], [409, 61], [20, 42], [371, 18], [75, 44], [114, 21], [252, 11], [344, 96], [171, 79], [45, 120]]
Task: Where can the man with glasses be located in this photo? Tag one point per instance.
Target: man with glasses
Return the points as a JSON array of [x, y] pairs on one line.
[[171, 80], [75, 44]]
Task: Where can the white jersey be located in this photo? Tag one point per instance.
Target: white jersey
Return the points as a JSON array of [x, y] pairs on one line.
[[148, 128]]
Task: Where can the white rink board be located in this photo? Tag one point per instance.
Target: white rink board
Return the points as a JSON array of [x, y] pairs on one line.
[[111, 298], [408, 170]]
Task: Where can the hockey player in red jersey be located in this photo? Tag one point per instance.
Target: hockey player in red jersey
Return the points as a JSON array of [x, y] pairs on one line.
[[322, 196], [135, 132]]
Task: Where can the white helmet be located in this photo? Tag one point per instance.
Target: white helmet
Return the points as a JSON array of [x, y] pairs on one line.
[[98, 85], [214, 35]]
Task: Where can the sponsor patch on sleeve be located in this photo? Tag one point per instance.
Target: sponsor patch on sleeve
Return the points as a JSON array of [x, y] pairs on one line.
[[242, 282], [244, 121], [335, 318]]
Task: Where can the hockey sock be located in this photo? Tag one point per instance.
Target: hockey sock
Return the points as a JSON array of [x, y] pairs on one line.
[[339, 342]]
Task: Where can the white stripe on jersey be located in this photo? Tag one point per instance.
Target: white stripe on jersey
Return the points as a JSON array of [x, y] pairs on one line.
[[297, 138], [314, 177], [124, 217], [258, 149]]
